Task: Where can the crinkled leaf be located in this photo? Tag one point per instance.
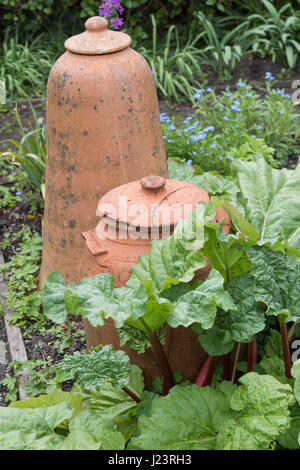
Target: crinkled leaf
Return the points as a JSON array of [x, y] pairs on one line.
[[92, 370], [191, 418], [296, 374], [277, 281], [200, 304], [235, 325], [271, 199], [289, 439], [211, 183], [186, 419], [262, 404]]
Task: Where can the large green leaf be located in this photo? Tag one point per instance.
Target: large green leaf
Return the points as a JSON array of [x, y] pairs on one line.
[[235, 325], [30, 429], [249, 417], [89, 431], [271, 199], [262, 404], [212, 183], [277, 281], [175, 259], [225, 252], [289, 439], [73, 399], [187, 418], [92, 370], [200, 304]]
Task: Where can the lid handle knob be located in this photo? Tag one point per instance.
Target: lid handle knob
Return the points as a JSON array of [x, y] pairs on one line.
[[96, 24], [153, 183]]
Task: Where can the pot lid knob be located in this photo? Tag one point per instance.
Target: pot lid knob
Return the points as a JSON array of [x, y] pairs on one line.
[[96, 24], [153, 183], [97, 39]]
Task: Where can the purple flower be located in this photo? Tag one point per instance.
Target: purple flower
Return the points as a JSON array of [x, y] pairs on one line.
[[189, 162], [259, 127], [241, 85], [116, 23], [230, 158]]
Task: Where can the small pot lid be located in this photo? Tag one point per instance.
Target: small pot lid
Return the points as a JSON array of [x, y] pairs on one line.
[[97, 39], [151, 202]]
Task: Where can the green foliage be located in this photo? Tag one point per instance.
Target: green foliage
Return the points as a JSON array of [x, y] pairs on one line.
[[173, 65], [22, 271], [97, 367], [30, 152], [234, 125], [271, 200], [24, 68], [279, 30], [191, 418]]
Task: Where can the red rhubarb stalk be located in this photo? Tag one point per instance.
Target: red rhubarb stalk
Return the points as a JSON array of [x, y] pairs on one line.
[[286, 349], [226, 366], [206, 372], [252, 355], [131, 394], [160, 358]]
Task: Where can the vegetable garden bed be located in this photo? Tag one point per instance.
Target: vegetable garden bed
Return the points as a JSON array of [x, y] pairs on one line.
[[245, 275]]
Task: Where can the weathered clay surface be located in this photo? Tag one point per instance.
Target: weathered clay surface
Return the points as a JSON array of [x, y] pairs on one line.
[[103, 130]]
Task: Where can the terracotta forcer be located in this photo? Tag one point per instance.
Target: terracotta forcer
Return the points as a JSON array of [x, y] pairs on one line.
[[129, 214], [103, 130]]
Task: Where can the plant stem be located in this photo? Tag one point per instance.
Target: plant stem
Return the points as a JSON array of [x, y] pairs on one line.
[[236, 357], [286, 349], [166, 351], [160, 358], [206, 372], [131, 394], [252, 355], [226, 366]]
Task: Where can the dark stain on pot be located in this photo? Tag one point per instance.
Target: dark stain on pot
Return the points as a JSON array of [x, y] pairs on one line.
[[72, 223], [63, 242], [84, 133]]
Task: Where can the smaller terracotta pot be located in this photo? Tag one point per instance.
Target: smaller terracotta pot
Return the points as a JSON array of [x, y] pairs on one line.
[[117, 255]]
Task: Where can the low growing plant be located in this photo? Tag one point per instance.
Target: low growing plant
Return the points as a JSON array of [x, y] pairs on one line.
[[232, 125], [22, 278], [30, 153]]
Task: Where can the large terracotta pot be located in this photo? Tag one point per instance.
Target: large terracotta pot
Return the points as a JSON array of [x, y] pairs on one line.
[[119, 251], [103, 130]]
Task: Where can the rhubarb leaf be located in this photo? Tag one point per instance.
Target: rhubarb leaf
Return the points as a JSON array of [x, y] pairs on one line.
[[289, 439], [277, 282], [271, 198], [225, 252], [175, 259], [200, 304], [53, 297], [262, 404], [90, 431], [238, 325], [187, 418], [32, 429], [97, 367]]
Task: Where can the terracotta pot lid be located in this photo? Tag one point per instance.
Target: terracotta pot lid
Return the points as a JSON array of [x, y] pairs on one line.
[[151, 202], [97, 39]]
